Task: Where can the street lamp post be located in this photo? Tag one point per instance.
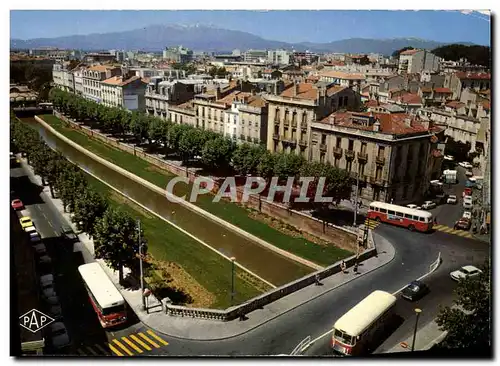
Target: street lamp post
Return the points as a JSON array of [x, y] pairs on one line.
[[232, 279], [357, 198], [140, 264], [417, 312]]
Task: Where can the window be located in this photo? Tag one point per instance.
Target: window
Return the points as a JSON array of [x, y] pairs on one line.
[[351, 145], [407, 216], [378, 173], [304, 119], [322, 157], [323, 139], [294, 117], [339, 142], [362, 169], [422, 219], [381, 151], [286, 116], [383, 210], [390, 212], [277, 115], [336, 162], [349, 166], [363, 147]]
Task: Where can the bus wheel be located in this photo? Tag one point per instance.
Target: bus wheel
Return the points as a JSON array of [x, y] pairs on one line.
[[411, 227], [377, 219]]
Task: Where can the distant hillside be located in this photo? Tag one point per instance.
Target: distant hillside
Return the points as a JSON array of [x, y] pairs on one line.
[[210, 39]]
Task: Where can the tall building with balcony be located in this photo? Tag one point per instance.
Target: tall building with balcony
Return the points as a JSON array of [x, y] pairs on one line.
[[92, 77], [393, 155], [63, 78], [279, 57], [416, 61], [123, 92], [161, 94], [292, 112], [255, 56]]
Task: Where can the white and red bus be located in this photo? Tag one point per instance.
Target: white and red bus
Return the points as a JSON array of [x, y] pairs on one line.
[[357, 331], [399, 215], [107, 301]]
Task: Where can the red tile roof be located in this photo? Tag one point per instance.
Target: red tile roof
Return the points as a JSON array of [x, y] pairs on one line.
[[393, 124], [118, 80], [343, 75], [409, 52], [372, 103], [409, 98], [455, 104], [474, 76], [443, 90], [486, 105], [305, 91], [426, 90]]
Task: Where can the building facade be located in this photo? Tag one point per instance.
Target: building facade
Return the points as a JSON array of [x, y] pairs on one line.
[[63, 78], [178, 54], [392, 156], [416, 61], [127, 93], [279, 57], [92, 77]]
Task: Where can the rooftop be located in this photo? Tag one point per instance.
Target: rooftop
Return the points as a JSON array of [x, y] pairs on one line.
[[392, 124], [118, 80], [409, 52], [343, 75]]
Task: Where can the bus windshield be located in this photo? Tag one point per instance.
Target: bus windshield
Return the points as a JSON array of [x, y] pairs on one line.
[[113, 309], [344, 337]]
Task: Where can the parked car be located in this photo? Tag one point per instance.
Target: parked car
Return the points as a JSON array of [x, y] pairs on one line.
[[35, 238], [40, 249], [467, 205], [467, 192], [59, 337], [465, 164], [469, 174], [52, 300], [47, 285], [465, 272], [428, 205], [452, 199], [467, 215], [415, 290], [68, 233], [412, 205], [17, 204], [463, 224], [31, 231], [26, 222]]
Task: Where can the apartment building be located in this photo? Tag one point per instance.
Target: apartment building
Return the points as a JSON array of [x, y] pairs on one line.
[[345, 79], [255, 56], [416, 61], [123, 92], [435, 96], [92, 77], [63, 78], [78, 79], [279, 57], [394, 155], [460, 81], [178, 54], [292, 112], [161, 94]]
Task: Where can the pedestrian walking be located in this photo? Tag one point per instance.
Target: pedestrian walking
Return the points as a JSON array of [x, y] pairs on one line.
[[435, 220], [343, 266], [356, 267], [316, 280]]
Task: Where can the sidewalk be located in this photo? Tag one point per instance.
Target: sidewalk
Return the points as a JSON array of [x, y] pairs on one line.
[[199, 329], [427, 336]]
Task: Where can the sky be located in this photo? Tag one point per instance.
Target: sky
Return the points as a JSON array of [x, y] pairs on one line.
[[288, 26]]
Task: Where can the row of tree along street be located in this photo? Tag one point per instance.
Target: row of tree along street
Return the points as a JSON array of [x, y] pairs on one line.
[[114, 231], [215, 153]]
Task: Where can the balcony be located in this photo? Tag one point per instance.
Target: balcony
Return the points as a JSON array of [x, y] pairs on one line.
[[349, 154], [362, 156], [303, 142], [294, 124], [276, 136], [380, 160], [337, 151], [286, 123], [377, 181], [322, 147]]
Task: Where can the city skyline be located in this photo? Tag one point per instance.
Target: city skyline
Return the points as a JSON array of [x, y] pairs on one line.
[[316, 26]]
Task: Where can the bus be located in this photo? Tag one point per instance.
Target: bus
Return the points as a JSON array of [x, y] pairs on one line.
[[105, 298], [355, 332], [399, 215], [45, 105]]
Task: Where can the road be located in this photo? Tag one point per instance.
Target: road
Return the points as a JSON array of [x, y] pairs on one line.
[[414, 253]]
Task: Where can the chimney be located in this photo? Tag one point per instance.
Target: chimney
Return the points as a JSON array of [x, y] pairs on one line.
[[296, 87], [408, 121], [217, 93], [376, 126], [332, 119]]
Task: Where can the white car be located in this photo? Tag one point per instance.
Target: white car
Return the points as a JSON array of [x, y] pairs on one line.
[[465, 164], [452, 199], [428, 205], [467, 205], [467, 215], [469, 174], [59, 337], [413, 206], [465, 272], [449, 157]]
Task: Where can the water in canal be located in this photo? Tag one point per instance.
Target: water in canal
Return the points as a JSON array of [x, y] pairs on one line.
[[270, 265]]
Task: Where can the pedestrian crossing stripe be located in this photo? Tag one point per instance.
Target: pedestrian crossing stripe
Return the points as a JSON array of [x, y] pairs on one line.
[[449, 230], [124, 346], [149, 340]]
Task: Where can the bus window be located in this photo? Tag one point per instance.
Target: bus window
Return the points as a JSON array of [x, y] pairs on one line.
[[383, 210], [389, 212], [422, 219], [373, 208], [343, 337], [407, 216]]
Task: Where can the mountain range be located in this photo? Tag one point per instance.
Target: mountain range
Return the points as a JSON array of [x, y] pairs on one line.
[[213, 39]]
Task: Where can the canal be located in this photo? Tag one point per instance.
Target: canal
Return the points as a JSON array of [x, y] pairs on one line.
[[266, 263]]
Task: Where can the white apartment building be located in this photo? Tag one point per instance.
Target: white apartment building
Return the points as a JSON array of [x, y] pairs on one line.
[[416, 61], [63, 78], [92, 78], [279, 57], [78, 80], [348, 80], [123, 93], [246, 119]]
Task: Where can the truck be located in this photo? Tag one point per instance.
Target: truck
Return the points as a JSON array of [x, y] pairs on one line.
[[450, 176]]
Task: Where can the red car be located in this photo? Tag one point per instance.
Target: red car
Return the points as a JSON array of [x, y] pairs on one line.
[[17, 204], [467, 192]]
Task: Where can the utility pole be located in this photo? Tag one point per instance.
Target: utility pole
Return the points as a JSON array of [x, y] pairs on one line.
[[140, 264], [232, 279], [356, 201]]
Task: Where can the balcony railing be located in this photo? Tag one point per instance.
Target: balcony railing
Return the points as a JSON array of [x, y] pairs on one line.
[[380, 160], [362, 156], [337, 151], [294, 124], [349, 154], [322, 147], [286, 123], [377, 180], [302, 142]]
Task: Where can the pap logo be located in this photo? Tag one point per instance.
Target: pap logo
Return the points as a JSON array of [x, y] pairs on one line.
[[34, 320]]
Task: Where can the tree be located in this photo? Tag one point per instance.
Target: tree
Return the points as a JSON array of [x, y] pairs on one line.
[[457, 149], [139, 126], [191, 143], [364, 60], [89, 207], [246, 158], [266, 165], [158, 130], [116, 239], [476, 55], [287, 165], [217, 153], [70, 184], [396, 53], [174, 135], [468, 322]]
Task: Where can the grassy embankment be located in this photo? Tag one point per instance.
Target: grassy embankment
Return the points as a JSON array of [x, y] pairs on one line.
[[230, 212]]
